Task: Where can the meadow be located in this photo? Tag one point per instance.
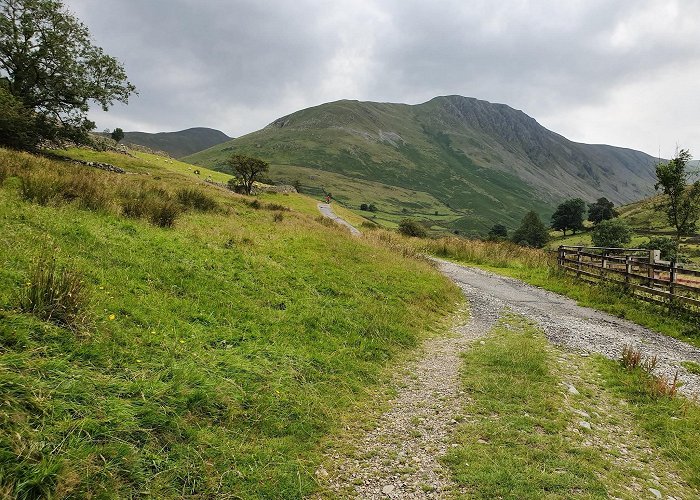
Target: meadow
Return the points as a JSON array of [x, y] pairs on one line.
[[210, 356]]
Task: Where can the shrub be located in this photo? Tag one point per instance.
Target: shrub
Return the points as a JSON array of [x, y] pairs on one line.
[[277, 217], [613, 233], [668, 247], [277, 206], [162, 212], [255, 204], [197, 200], [55, 295], [410, 227]]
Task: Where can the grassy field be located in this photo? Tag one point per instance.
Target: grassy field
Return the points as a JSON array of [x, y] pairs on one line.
[[211, 357], [521, 435]]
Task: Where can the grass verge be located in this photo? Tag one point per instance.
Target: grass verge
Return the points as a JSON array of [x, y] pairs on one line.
[[670, 423], [513, 445]]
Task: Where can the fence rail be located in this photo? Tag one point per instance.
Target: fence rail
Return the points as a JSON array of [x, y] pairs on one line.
[[640, 271]]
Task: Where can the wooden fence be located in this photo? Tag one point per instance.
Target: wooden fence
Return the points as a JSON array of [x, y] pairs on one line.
[[640, 271]]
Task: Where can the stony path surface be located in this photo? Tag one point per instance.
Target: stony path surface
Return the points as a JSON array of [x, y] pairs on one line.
[[400, 457], [575, 327], [327, 211]]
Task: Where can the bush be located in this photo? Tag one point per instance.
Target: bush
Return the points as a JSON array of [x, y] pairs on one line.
[[277, 206], [613, 233], [197, 200], [532, 232], [55, 295], [162, 212], [668, 247], [410, 227], [277, 217]]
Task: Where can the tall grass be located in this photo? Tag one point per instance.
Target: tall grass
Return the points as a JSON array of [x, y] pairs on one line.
[[55, 294], [196, 199], [489, 253]]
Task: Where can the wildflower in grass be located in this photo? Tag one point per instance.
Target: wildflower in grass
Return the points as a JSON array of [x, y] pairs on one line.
[[112, 317]]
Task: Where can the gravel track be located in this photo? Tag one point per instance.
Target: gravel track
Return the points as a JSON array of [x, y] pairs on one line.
[[327, 211], [575, 327], [399, 458]]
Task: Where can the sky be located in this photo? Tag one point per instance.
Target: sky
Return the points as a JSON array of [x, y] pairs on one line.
[[620, 72]]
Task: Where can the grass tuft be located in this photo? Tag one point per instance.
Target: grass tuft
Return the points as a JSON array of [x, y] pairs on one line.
[[54, 294], [196, 199]]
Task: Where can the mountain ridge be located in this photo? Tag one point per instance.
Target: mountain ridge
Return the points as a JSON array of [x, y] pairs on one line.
[[180, 143], [484, 162]]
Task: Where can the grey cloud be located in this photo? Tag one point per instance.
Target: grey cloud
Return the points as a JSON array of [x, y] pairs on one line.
[[237, 65]]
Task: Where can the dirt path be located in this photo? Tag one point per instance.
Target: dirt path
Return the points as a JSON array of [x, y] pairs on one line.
[[574, 327], [327, 211], [399, 458]]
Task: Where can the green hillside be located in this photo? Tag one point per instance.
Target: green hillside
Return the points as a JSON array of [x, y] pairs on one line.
[[472, 162], [180, 143], [208, 359]]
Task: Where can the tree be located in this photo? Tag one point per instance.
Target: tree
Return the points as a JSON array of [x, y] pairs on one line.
[[532, 232], [49, 64], [613, 233], [117, 134], [602, 209], [569, 216], [246, 169], [497, 232], [16, 122], [411, 227], [681, 202]]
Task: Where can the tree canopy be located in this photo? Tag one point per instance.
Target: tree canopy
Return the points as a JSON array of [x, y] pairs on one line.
[[246, 169], [532, 231], [49, 64], [602, 209], [569, 216], [613, 233], [117, 134], [498, 231], [681, 202]]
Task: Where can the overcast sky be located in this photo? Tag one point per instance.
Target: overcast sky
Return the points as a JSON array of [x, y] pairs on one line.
[[621, 72]]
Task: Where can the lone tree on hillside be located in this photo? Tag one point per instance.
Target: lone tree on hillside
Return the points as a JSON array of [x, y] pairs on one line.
[[602, 209], [49, 64], [681, 202], [498, 232], [613, 233], [532, 232], [246, 169], [117, 134], [569, 216]]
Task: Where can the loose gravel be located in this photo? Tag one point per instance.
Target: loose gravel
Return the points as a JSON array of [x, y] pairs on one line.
[[579, 328], [399, 458]]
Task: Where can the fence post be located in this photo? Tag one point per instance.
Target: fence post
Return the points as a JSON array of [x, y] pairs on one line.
[[578, 260], [603, 262], [650, 267], [560, 259], [672, 279], [628, 270]]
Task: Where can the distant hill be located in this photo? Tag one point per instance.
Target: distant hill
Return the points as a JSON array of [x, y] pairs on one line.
[[459, 163], [178, 144]]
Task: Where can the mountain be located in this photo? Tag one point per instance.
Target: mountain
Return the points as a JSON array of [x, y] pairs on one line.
[[178, 144], [459, 163]]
